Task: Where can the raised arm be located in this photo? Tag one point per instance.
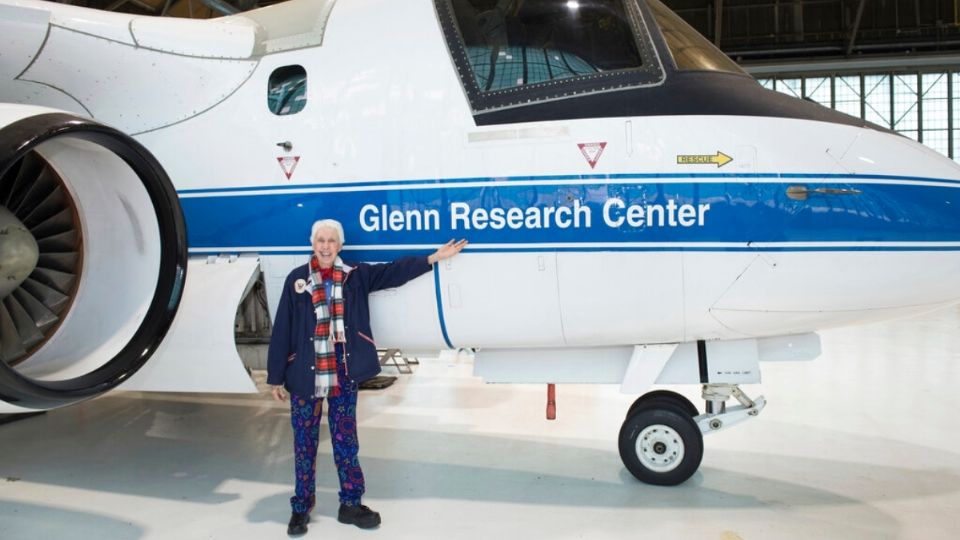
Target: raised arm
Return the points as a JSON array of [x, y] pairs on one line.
[[395, 274], [446, 251]]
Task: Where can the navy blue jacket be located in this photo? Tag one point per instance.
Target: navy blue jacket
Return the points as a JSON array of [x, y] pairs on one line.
[[291, 358]]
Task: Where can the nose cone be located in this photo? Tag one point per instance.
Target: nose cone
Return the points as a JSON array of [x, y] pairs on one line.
[[18, 252], [887, 154]]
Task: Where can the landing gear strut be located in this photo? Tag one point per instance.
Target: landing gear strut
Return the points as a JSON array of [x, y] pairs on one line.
[[661, 440]]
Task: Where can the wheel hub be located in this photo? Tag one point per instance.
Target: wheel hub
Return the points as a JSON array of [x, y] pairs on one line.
[[19, 252], [660, 448]]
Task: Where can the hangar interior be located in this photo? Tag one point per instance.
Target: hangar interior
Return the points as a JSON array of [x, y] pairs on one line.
[[892, 63], [860, 443]]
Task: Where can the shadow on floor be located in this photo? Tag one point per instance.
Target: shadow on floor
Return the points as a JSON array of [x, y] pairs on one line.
[[52, 522]]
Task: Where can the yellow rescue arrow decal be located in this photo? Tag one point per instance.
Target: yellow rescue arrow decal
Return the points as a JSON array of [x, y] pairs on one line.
[[720, 159]]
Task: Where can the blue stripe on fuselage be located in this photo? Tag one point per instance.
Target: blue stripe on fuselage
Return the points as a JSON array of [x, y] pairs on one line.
[[440, 317], [739, 211]]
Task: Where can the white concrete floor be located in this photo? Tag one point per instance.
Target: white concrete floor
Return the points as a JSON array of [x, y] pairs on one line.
[[861, 443]]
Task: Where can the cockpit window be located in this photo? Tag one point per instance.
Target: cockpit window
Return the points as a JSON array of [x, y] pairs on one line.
[[512, 52], [509, 67], [690, 50], [287, 90]]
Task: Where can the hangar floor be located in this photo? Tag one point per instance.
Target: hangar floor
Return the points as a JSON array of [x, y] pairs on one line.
[[861, 443]]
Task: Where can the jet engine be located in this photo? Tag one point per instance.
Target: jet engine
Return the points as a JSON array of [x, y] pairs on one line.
[[93, 257]]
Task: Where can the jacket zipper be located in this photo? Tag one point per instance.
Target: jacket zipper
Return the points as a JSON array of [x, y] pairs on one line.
[[346, 363]]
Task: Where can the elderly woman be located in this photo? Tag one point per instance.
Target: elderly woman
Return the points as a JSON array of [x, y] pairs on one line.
[[322, 348]]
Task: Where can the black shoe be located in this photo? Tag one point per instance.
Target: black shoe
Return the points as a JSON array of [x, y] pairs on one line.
[[361, 516], [298, 524]]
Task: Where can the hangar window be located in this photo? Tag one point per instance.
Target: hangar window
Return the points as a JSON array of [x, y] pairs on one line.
[[287, 90], [690, 50], [513, 52]]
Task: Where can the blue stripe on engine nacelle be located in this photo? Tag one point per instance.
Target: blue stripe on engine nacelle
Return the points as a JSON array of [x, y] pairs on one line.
[[739, 212]]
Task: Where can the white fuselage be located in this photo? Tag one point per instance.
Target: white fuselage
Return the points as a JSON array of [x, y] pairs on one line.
[[649, 250]]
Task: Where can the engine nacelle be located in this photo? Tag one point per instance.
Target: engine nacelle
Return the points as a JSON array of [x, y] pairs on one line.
[[93, 264]]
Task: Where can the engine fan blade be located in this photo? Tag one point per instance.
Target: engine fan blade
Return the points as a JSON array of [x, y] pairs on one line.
[[33, 193], [53, 201], [62, 262], [7, 180], [36, 193], [31, 167], [53, 299], [41, 315], [60, 281], [11, 347], [27, 329], [42, 227], [66, 241]]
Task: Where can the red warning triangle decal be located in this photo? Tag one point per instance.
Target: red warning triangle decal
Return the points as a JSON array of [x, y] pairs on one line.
[[592, 152], [288, 164]]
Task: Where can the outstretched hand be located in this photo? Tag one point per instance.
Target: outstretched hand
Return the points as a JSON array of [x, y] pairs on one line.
[[447, 250]]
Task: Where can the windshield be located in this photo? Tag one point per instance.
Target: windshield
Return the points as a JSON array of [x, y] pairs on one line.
[[690, 50], [516, 51], [516, 43]]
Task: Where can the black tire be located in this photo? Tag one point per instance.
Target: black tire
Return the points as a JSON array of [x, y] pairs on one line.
[[673, 446], [664, 397]]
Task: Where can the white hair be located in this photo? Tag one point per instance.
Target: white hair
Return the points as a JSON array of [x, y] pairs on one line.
[[326, 224]]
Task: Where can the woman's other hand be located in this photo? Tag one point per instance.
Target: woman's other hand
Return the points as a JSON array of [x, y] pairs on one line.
[[278, 392], [447, 250]]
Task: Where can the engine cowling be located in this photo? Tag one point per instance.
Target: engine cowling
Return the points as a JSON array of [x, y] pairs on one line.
[[93, 257]]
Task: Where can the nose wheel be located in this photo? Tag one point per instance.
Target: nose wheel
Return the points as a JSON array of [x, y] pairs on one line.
[[660, 443], [661, 440]]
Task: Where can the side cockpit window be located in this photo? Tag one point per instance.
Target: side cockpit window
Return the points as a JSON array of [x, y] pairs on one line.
[[287, 90], [513, 52], [690, 50]]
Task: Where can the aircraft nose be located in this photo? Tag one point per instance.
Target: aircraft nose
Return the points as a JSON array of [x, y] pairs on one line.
[[19, 252], [876, 152]]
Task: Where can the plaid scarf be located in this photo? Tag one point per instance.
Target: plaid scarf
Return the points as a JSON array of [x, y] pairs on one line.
[[324, 339]]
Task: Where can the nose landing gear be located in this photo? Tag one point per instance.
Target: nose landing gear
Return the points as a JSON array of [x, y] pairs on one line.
[[661, 439]]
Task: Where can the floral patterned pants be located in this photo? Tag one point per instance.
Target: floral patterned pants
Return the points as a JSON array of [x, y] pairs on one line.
[[305, 416]]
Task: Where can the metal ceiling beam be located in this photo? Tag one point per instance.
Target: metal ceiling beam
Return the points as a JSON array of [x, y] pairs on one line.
[[718, 22], [220, 7], [855, 65], [856, 27]]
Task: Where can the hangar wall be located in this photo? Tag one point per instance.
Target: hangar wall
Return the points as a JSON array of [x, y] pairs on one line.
[[923, 105]]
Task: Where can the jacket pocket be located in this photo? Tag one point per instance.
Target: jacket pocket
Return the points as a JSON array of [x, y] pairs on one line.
[[368, 338]]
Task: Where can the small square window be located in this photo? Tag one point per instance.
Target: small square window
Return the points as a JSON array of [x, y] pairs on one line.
[[287, 90]]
